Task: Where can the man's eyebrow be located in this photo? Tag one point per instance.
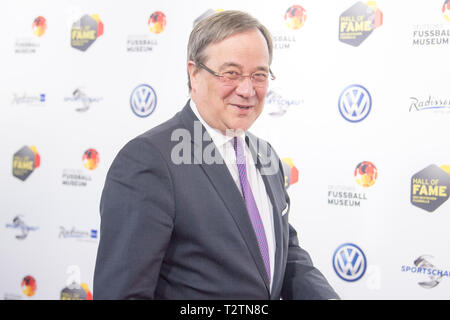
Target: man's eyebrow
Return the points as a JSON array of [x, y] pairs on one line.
[[236, 65], [230, 64]]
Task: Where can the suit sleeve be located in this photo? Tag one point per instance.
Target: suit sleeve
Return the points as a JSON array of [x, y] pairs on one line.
[[137, 211], [302, 280]]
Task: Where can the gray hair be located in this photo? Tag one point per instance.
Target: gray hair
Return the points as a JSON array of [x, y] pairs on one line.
[[218, 27]]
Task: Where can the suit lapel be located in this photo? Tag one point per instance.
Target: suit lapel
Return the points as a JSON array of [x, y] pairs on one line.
[[225, 186]]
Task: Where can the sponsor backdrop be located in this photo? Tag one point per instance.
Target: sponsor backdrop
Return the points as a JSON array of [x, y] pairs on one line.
[[359, 112]]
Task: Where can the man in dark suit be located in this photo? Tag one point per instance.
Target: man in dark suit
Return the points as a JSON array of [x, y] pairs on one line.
[[196, 207]]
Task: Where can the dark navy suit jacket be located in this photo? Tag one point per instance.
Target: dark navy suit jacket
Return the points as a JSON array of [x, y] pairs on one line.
[[182, 231]]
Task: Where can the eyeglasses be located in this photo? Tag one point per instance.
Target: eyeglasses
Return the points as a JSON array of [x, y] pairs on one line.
[[232, 78]]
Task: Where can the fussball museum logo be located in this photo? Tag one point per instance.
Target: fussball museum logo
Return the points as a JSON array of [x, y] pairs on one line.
[[90, 159], [146, 43], [27, 45], [76, 177], [446, 10], [358, 22], [39, 26], [430, 187], [25, 161], [433, 33], [295, 17], [366, 174], [85, 31], [157, 22], [29, 286]]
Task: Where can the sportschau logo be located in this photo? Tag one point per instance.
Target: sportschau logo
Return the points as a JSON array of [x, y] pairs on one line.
[[143, 100], [81, 101], [25, 161], [423, 265], [349, 262], [430, 187], [85, 31], [357, 22], [355, 103], [277, 105], [18, 223]]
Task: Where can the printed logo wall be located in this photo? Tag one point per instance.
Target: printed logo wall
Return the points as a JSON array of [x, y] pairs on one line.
[[358, 113]]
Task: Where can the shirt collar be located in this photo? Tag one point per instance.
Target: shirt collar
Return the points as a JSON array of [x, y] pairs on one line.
[[216, 135]]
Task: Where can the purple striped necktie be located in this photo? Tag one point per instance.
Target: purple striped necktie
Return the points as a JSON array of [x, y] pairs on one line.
[[250, 202]]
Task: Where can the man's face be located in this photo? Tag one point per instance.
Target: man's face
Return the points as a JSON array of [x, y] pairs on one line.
[[234, 107]]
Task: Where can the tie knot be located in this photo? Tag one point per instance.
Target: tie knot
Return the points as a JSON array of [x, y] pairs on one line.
[[239, 150]]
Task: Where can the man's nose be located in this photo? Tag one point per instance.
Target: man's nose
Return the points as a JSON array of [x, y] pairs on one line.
[[245, 87]]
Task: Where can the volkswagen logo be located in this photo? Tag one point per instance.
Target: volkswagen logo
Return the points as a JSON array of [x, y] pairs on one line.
[[143, 100], [349, 262], [355, 103]]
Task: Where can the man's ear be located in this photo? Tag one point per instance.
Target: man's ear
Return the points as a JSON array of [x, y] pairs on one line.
[[192, 71]]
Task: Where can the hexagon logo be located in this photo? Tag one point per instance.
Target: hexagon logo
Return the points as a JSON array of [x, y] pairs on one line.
[[85, 31], [430, 187], [357, 22], [25, 161], [290, 172]]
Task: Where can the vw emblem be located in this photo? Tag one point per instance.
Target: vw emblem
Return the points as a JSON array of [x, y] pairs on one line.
[[355, 103], [349, 262], [143, 100]]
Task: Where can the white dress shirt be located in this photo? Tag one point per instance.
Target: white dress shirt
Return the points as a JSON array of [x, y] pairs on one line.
[[225, 146]]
